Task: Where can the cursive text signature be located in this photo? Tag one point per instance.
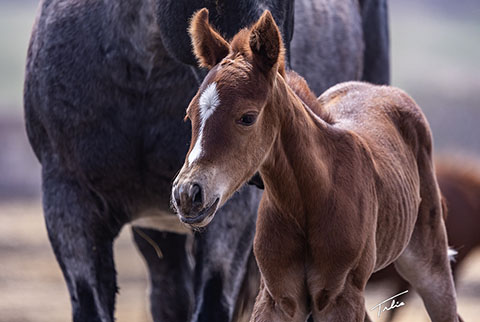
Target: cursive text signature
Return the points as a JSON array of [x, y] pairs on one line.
[[382, 306]]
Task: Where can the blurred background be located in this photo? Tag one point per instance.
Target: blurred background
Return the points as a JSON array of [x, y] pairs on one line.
[[435, 54]]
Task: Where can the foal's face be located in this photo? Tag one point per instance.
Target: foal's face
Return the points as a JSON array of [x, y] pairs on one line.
[[231, 130], [230, 137]]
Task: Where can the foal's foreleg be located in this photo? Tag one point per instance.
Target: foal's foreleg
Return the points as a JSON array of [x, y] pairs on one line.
[[348, 305], [270, 308], [280, 255]]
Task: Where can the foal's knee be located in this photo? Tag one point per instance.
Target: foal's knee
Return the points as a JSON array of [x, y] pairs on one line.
[[283, 309], [345, 305]]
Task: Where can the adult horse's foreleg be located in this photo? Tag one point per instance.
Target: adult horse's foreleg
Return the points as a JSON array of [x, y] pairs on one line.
[[425, 263], [221, 256], [170, 273], [81, 232], [248, 291]]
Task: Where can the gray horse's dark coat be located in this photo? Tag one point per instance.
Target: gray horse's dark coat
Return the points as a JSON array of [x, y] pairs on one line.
[[106, 87]]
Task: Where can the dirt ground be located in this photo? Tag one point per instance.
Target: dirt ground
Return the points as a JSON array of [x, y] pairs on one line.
[[32, 287]]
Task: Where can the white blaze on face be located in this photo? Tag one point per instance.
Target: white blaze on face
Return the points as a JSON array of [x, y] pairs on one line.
[[208, 102]]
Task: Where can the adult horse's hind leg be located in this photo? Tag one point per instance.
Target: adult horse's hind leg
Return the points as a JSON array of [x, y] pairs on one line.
[[171, 282], [82, 237], [221, 256], [424, 263]]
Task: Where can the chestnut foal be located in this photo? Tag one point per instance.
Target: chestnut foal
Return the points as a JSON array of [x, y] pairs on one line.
[[349, 180]]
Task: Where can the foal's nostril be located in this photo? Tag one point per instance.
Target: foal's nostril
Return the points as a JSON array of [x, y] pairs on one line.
[[188, 198], [176, 196], [196, 195]]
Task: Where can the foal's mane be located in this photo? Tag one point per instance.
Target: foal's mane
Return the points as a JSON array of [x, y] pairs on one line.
[[300, 87]]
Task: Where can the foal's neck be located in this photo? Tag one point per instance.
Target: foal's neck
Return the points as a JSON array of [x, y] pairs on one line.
[[301, 153]]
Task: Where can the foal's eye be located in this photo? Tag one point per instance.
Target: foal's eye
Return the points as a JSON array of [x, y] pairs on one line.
[[247, 119]]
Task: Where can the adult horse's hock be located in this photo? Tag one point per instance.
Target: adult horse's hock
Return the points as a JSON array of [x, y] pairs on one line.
[[349, 180]]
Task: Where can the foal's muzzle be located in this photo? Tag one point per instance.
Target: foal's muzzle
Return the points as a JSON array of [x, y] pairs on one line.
[[188, 199]]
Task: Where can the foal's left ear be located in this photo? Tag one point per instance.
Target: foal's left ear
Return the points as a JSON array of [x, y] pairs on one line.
[[266, 42], [209, 47]]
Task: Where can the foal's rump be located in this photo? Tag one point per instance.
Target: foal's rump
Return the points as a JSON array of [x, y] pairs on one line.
[[393, 128]]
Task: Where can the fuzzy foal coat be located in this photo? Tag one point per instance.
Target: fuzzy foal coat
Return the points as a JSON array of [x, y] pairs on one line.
[[348, 184], [349, 180], [346, 194]]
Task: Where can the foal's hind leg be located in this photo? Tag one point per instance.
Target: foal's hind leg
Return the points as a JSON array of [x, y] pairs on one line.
[[424, 263], [81, 235]]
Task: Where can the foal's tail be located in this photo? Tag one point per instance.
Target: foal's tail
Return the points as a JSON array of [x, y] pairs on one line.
[[376, 59]]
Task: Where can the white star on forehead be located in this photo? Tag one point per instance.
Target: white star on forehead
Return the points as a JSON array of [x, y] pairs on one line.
[[208, 102]]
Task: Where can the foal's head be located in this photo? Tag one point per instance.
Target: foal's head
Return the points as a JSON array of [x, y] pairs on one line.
[[231, 128]]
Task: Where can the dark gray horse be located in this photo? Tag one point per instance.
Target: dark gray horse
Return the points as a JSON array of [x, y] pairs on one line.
[[107, 83]]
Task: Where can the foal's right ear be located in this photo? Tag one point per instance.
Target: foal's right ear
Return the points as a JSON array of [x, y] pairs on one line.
[[209, 47], [266, 42]]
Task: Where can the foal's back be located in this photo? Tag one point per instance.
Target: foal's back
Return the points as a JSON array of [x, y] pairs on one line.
[[384, 117]]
